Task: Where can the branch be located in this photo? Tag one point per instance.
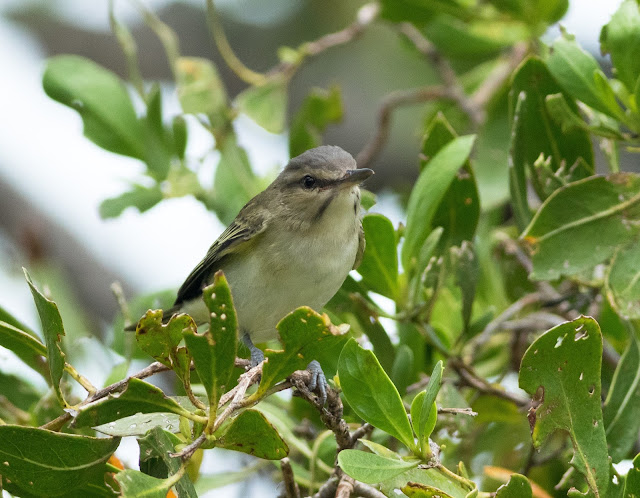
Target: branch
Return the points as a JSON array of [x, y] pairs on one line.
[[345, 487], [291, 488], [389, 104]]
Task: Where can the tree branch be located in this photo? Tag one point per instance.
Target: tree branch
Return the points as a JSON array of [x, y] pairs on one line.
[[291, 488]]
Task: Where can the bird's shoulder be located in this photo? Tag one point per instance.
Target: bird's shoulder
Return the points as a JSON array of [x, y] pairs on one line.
[[362, 243]]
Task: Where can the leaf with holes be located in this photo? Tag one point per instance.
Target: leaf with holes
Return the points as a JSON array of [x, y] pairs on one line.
[[53, 331], [564, 363], [561, 234]]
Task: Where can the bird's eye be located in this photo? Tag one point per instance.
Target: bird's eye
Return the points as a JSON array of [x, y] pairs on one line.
[[308, 182]]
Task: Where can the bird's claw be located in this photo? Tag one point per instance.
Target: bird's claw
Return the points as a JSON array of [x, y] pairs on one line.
[[317, 382]]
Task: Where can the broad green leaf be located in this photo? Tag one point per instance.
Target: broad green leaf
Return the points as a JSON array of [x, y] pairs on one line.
[[621, 39], [517, 487], [371, 394], [214, 352], [250, 432], [279, 418], [426, 425], [25, 346], [371, 468], [157, 142], [19, 393], [402, 369], [536, 133], [53, 331], [138, 397], [141, 198], [439, 133], [100, 98], [380, 340], [48, 463], [380, 449], [318, 110], [428, 192], [623, 281], [159, 444], [424, 420], [430, 479], [417, 490], [199, 87], [561, 234], [139, 424], [305, 336], [565, 364], [425, 265], [379, 267], [161, 340], [265, 104], [621, 410], [135, 484], [632, 483], [579, 74]]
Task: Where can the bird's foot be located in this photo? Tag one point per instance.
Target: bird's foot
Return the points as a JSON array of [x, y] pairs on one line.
[[257, 356], [317, 382]]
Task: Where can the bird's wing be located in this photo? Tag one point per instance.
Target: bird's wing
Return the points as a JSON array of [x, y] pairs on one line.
[[240, 233], [361, 245]]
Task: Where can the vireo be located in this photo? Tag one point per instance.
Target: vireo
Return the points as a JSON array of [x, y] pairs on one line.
[[291, 245]]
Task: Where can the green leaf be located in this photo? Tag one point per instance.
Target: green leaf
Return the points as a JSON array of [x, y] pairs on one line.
[[53, 332], [517, 487], [424, 420], [214, 351], [379, 267], [25, 346], [179, 128], [430, 480], [424, 265], [621, 39], [371, 394], [135, 484], [403, 369], [18, 392], [265, 104], [579, 74], [141, 198], [305, 336], [561, 233], [467, 271], [621, 410], [157, 154], [138, 397], [48, 463], [250, 432], [159, 444], [380, 340], [371, 468], [417, 490], [565, 363], [318, 110], [535, 132], [438, 134], [139, 424], [7, 317], [199, 87], [632, 483], [428, 192], [100, 98], [622, 281]]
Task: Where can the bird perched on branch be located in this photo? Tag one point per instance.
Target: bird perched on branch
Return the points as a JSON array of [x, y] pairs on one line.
[[291, 245]]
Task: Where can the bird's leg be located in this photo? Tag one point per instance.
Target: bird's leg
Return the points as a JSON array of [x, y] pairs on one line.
[[257, 356], [318, 381]]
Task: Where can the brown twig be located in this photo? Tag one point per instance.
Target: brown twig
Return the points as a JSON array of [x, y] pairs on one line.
[[389, 104], [366, 491], [345, 487], [457, 411], [291, 488]]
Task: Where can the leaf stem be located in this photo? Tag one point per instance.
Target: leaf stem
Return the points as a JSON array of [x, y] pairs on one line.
[[80, 379]]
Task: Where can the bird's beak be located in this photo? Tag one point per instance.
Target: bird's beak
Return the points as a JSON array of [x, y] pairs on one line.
[[355, 176]]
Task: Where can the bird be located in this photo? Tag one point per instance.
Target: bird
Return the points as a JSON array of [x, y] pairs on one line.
[[291, 245]]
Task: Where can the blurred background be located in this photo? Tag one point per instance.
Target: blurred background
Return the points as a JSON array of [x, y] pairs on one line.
[[52, 179]]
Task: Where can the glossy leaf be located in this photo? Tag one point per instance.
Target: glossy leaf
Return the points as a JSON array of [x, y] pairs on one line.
[[379, 266], [318, 110], [138, 397], [565, 363], [623, 281], [159, 444], [100, 98], [266, 104], [371, 468], [214, 351], [199, 87], [428, 192], [53, 331], [305, 336], [250, 432], [561, 234], [139, 424], [371, 394], [579, 74], [141, 198], [25, 346], [47, 463], [517, 487], [621, 410], [621, 39]]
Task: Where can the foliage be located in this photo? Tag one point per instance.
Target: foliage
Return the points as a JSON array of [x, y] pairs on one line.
[[481, 286]]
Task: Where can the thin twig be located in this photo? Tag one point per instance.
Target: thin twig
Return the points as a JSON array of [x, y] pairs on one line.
[[366, 491], [389, 104], [291, 488], [345, 487], [457, 411], [328, 489]]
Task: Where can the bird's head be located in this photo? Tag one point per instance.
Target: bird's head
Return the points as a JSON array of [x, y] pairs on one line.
[[320, 180]]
